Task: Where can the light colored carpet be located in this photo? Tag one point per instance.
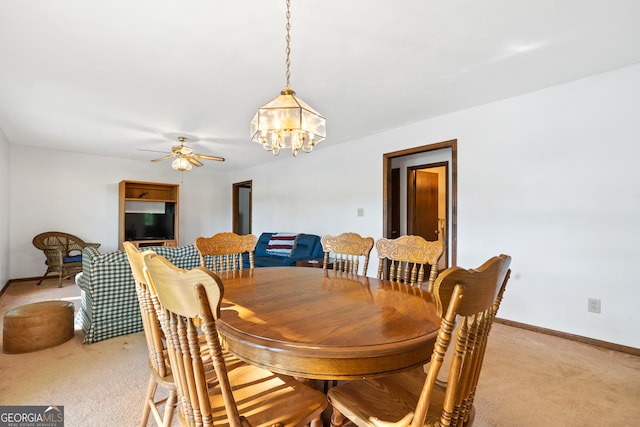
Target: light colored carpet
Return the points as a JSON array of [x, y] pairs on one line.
[[101, 384], [528, 379]]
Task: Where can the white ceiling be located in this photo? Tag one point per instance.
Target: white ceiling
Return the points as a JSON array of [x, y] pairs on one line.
[[118, 77]]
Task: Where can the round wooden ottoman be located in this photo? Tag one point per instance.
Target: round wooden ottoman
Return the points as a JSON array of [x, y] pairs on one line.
[[37, 326]]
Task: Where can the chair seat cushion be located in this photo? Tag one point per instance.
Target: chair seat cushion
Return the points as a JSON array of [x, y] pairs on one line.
[[69, 259], [74, 258]]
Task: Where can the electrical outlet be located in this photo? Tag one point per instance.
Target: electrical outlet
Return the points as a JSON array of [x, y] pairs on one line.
[[594, 305], [360, 211]]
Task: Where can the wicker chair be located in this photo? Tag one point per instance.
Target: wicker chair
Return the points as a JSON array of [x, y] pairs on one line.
[[63, 252]]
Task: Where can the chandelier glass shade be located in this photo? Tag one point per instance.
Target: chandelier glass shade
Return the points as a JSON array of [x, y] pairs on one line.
[[287, 122], [181, 164]]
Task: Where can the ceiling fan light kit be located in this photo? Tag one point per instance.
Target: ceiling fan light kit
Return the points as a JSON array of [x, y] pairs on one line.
[[287, 121], [185, 158], [181, 164]]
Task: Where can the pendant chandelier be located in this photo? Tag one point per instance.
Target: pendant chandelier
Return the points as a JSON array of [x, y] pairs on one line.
[[287, 121]]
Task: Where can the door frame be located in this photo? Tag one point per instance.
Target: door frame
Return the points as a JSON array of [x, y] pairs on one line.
[[452, 238]]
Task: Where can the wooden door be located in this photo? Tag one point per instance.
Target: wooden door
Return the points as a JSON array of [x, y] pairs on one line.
[[422, 209]]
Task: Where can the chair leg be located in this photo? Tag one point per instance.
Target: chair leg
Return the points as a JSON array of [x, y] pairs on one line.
[[43, 277], [337, 419], [170, 408], [148, 400], [151, 406]]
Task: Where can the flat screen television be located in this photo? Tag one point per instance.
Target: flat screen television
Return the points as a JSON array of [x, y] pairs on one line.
[[150, 225]]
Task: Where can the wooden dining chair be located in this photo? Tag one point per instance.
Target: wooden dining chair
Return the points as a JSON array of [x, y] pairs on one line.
[[158, 364], [471, 298], [347, 250], [244, 394], [224, 251], [405, 259]]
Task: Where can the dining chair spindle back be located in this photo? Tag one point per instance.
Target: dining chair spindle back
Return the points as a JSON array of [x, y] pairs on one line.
[[158, 362], [347, 250], [244, 394], [405, 259], [224, 251], [469, 297]]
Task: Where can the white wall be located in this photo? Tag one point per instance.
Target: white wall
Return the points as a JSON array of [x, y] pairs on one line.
[[5, 194], [549, 178], [78, 194]]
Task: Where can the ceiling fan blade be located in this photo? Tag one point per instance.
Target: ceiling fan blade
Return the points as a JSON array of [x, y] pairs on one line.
[[152, 151], [207, 157], [193, 161], [163, 158]]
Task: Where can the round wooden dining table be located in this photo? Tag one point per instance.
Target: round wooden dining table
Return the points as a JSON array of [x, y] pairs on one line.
[[316, 324]]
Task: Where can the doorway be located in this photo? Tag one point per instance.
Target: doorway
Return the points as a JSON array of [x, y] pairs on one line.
[[420, 195], [242, 207]]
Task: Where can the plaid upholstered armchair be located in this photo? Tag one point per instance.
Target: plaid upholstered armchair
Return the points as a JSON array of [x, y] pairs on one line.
[[108, 301], [63, 252]]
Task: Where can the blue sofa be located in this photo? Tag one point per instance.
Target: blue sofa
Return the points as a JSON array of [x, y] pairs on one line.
[[307, 246]]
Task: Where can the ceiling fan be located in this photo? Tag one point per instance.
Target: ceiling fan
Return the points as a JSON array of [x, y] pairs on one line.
[[185, 157]]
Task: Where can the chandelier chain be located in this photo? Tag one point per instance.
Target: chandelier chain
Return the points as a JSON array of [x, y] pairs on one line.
[[288, 38], [286, 121]]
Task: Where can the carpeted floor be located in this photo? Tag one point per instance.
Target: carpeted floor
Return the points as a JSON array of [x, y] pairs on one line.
[[528, 379]]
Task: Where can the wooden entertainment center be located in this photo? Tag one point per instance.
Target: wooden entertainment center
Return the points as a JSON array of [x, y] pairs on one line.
[[155, 204]]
